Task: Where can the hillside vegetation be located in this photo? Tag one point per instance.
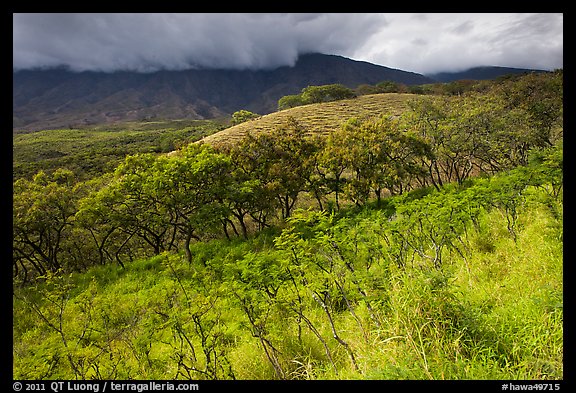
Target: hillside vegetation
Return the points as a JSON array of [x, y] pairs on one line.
[[320, 118], [91, 151], [433, 286], [422, 243]]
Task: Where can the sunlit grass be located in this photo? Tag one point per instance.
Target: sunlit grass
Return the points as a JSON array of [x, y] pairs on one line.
[[319, 118], [494, 312]]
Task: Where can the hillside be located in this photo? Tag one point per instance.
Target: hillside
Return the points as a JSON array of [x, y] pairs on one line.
[[93, 151], [328, 297], [424, 245], [47, 99], [319, 118]]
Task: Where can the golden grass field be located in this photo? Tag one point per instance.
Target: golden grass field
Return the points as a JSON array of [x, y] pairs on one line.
[[319, 118]]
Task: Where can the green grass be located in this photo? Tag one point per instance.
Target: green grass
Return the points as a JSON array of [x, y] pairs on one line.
[[494, 312], [90, 152]]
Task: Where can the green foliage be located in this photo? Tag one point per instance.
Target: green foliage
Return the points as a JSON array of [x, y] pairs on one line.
[[326, 93], [290, 101], [163, 203], [279, 165], [43, 213], [242, 116], [91, 152], [454, 272], [386, 86], [159, 198], [316, 94], [327, 299]]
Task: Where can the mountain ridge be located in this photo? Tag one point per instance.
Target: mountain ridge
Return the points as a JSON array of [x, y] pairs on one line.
[[479, 73], [59, 98]]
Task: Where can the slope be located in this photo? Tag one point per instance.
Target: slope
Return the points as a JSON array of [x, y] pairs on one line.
[[251, 309], [44, 99], [321, 117]]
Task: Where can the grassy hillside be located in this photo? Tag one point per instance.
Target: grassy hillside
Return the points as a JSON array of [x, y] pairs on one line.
[[92, 151], [444, 262], [327, 297], [319, 118]]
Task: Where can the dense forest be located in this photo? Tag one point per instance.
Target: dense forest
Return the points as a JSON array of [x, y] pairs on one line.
[[421, 246]]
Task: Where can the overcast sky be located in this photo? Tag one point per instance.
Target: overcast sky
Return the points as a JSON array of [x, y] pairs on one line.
[[423, 43]]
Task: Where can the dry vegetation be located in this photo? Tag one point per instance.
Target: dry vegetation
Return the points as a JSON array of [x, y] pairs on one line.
[[321, 117]]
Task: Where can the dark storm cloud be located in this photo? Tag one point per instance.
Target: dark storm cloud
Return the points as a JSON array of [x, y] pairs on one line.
[[414, 42], [146, 42]]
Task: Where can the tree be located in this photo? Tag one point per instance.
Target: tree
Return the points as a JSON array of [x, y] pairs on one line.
[[249, 193], [42, 216], [475, 132], [380, 155], [135, 203], [326, 93], [540, 96], [190, 189], [458, 87], [242, 116], [316, 94], [290, 101], [332, 163], [94, 218], [291, 167], [280, 161], [388, 87]]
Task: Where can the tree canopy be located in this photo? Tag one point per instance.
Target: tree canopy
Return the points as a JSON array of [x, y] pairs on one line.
[[154, 203]]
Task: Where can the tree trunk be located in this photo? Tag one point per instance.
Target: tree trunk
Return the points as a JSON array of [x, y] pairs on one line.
[[187, 247]]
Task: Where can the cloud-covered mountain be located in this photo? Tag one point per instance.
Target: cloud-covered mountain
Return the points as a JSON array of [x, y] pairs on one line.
[[418, 42], [59, 98]]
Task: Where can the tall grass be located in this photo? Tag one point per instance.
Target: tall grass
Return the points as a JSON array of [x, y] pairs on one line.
[[492, 312]]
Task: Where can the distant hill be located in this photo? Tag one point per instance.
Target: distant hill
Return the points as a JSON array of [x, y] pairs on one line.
[[479, 73], [320, 118], [58, 98]]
